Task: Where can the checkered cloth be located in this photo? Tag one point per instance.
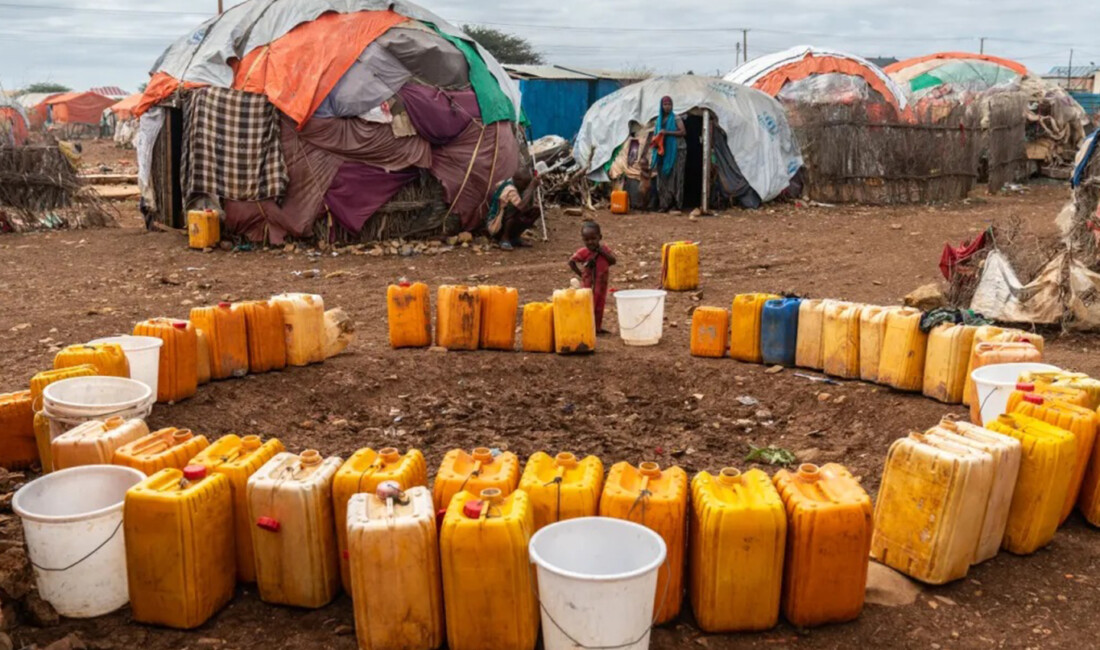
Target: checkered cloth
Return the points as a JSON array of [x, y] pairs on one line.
[[231, 146]]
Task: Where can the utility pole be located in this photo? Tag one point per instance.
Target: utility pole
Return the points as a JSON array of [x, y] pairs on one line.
[[738, 59], [981, 50], [745, 44], [221, 9], [1069, 72]]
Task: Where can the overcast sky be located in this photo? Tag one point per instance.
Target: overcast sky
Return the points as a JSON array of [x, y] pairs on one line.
[[84, 43]]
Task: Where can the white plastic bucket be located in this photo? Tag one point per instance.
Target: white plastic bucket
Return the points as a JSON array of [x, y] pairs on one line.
[[143, 354], [641, 315], [72, 523], [597, 582], [995, 383], [69, 402]]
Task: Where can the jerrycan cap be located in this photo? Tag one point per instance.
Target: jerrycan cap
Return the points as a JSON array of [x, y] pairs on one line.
[[225, 305], [1032, 398], [310, 457], [565, 459], [729, 476], [472, 508], [483, 455], [181, 435], [391, 490], [404, 284], [249, 443], [268, 523], [194, 472], [389, 455], [1027, 387], [114, 422], [180, 325], [650, 469], [809, 472]]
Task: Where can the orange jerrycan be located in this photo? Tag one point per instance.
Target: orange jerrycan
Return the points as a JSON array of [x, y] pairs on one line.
[[745, 326], [94, 442], [811, 329], [488, 582], [840, 340], [1046, 471], [42, 441], [710, 332], [227, 335], [988, 354], [304, 316], [202, 363], [680, 266], [982, 334], [458, 317], [409, 314], [363, 473], [904, 347], [180, 558], [266, 332], [107, 358], [204, 229], [872, 332], [474, 472], [620, 202], [40, 380], [499, 306], [945, 364], [828, 541], [537, 334], [1079, 421], [928, 517], [163, 449], [738, 540], [237, 459], [1005, 452], [18, 445], [656, 499], [562, 487], [574, 321], [293, 532], [177, 375], [396, 587]]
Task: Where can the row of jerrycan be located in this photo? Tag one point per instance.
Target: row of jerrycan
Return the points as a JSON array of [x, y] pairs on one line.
[[233, 339], [484, 317], [955, 495], [758, 328], [886, 345]]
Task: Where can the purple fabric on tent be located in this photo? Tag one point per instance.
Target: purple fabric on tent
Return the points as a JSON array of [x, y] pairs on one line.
[[439, 116], [358, 191], [469, 188]]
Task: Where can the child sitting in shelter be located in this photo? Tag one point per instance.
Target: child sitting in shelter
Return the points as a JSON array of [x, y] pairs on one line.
[[592, 263]]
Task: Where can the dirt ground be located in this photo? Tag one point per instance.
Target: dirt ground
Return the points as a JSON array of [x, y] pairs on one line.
[[621, 403]]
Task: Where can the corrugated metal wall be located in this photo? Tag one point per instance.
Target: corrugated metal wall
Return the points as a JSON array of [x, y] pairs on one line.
[[557, 107], [1088, 101]]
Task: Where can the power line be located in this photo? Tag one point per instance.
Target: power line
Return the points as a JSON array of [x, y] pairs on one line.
[[98, 10]]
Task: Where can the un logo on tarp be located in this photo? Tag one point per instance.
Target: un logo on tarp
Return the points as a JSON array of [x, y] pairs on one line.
[[769, 124]]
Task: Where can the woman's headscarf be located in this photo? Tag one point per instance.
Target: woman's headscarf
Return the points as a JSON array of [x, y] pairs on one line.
[[665, 123]]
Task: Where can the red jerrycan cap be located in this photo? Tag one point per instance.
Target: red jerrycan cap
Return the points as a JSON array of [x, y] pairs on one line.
[[182, 325], [1027, 387], [194, 472], [225, 305], [472, 509], [1033, 399], [404, 284], [268, 523]]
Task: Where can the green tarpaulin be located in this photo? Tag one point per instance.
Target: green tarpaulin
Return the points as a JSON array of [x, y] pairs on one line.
[[495, 105]]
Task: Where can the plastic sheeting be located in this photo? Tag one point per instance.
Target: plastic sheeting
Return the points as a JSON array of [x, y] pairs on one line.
[[79, 108], [203, 55], [375, 77], [756, 127], [149, 127], [809, 61], [831, 88]]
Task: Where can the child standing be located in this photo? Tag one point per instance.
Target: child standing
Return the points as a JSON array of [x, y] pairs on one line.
[[593, 264]]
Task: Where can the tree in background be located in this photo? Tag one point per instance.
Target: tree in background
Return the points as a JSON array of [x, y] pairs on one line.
[[505, 47], [46, 87]]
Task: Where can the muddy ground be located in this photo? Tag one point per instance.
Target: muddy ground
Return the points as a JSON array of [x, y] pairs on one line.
[[621, 403]]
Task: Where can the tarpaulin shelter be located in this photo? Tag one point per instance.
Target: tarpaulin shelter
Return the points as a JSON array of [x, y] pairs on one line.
[[751, 133], [14, 125], [809, 74], [124, 109], [364, 118], [953, 75], [34, 104], [77, 108]]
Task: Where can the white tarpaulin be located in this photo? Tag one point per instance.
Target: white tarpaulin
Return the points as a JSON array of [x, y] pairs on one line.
[[1065, 290], [748, 73], [203, 55], [755, 125]]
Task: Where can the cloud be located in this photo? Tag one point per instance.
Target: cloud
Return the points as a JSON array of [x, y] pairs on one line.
[[114, 42]]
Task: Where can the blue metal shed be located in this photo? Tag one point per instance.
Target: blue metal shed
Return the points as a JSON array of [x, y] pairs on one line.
[[556, 98]]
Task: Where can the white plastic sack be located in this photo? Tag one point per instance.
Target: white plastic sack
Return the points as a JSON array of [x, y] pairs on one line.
[[149, 127]]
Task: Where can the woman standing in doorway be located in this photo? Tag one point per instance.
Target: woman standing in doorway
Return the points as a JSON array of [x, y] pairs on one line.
[[669, 157]]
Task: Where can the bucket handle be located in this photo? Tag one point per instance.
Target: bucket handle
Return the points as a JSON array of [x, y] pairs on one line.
[[981, 407], [90, 553], [658, 303], [649, 628]]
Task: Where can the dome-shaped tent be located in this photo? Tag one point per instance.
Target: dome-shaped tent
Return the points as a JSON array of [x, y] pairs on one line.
[[806, 74], [364, 118], [752, 141], [14, 124], [953, 75]]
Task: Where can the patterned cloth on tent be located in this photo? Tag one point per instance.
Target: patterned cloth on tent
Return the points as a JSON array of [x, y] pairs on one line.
[[231, 146]]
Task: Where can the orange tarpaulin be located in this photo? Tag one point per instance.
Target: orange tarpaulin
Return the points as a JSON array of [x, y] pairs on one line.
[[1007, 63], [160, 87], [297, 71], [809, 65], [124, 110], [79, 108], [11, 121]]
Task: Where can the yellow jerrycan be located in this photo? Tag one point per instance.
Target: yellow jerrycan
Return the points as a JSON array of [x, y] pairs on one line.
[[499, 306], [811, 329], [237, 459], [710, 332], [488, 582], [840, 340], [1006, 453], [42, 379], [574, 321], [107, 358], [680, 266], [458, 317], [928, 516], [266, 335], [562, 487], [396, 587], [293, 533], [745, 326], [828, 542], [656, 499], [474, 472], [227, 335], [945, 364], [409, 314], [363, 472], [904, 347], [537, 333], [162, 449], [94, 442], [737, 541], [177, 375], [304, 316], [872, 332], [18, 443], [180, 558]]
